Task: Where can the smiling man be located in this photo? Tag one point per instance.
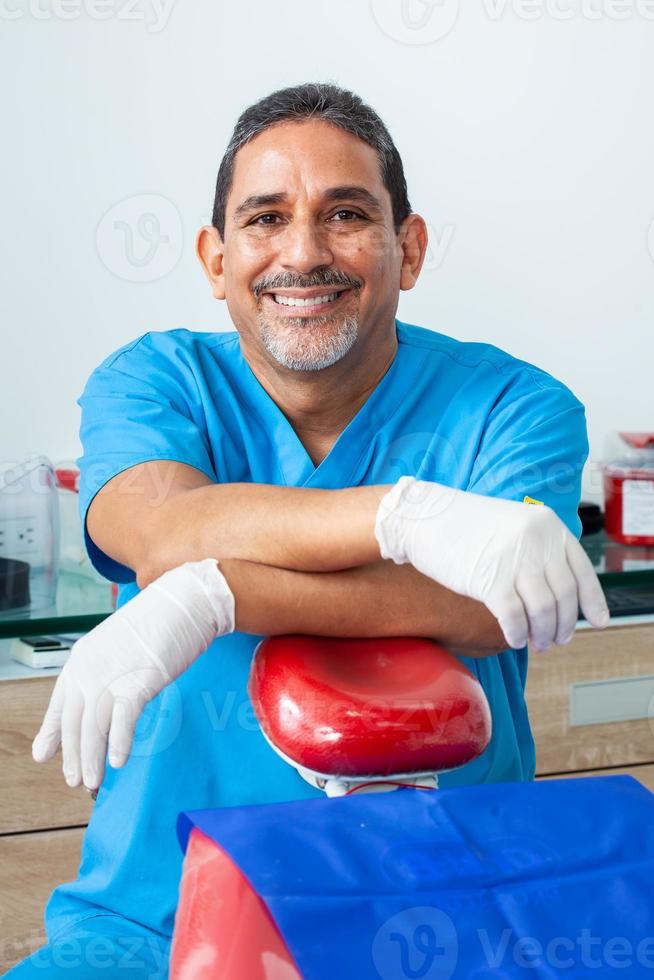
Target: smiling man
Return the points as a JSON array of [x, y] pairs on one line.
[[310, 255], [322, 469]]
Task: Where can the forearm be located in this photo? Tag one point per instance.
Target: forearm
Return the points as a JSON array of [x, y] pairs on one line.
[[286, 527], [378, 599]]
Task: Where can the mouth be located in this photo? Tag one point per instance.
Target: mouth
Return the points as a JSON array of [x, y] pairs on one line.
[[305, 302]]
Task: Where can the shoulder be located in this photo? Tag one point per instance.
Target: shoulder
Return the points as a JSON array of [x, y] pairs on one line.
[[169, 345], [512, 376], [165, 364]]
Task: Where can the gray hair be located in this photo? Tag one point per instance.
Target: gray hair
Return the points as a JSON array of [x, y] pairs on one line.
[[323, 101]]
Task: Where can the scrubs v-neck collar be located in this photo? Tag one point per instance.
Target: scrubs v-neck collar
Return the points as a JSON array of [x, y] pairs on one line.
[[339, 468]]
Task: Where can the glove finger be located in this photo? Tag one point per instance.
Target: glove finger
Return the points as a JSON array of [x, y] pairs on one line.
[[126, 713], [540, 606], [71, 721], [564, 587], [509, 611], [48, 738], [591, 598], [94, 730]]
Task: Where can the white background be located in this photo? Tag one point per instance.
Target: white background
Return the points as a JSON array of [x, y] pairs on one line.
[[526, 131]]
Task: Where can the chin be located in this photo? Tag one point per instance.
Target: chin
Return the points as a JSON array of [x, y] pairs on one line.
[[298, 347]]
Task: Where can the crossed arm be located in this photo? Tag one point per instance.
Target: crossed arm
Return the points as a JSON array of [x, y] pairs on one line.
[[297, 560]]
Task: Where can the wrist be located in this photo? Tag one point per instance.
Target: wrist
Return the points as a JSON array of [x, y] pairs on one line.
[[342, 532], [390, 529], [202, 590], [403, 511]]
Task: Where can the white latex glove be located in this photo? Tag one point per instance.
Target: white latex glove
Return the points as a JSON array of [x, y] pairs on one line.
[[127, 660], [520, 560]]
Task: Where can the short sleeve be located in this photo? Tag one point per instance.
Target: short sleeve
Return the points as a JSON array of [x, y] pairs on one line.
[[535, 444], [137, 406]]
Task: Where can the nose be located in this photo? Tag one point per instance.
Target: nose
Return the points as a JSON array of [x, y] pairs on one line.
[[304, 246]]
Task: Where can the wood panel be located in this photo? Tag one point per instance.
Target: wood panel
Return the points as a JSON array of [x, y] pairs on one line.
[[644, 774], [31, 865], [592, 655], [33, 796]]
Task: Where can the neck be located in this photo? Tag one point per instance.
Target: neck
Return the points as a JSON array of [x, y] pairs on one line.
[[320, 404]]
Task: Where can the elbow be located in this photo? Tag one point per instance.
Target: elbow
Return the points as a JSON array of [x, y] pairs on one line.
[[143, 578], [478, 652], [147, 571], [484, 635]]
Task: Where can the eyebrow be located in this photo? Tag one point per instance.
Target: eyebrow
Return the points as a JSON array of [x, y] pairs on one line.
[[256, 201], [349, 193], [353, 193]]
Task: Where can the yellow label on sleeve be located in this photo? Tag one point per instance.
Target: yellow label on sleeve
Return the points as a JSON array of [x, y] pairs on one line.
[[530, 500]]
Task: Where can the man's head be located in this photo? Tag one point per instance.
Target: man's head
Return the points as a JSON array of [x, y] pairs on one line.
[[311, 205]]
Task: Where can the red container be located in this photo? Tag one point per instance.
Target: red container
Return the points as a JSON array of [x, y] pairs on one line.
[[67, 478], [629, 491]]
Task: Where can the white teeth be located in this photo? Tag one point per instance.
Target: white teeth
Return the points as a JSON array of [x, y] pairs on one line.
[[314, 301]]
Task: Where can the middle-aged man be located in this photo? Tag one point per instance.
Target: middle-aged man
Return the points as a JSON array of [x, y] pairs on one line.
[[324, 469]]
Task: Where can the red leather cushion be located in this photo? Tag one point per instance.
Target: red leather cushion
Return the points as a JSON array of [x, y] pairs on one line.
[[363, 707]]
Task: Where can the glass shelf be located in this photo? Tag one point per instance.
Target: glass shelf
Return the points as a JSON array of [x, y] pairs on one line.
[[619, 564], [81, 603]]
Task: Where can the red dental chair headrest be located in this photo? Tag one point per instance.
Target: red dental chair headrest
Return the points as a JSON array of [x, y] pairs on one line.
[[364, 707]]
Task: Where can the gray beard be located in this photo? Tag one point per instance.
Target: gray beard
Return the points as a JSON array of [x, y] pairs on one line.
[[303, 350]]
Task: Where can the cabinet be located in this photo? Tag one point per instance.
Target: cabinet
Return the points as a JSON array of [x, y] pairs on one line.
[[591, 703], [42, 820]]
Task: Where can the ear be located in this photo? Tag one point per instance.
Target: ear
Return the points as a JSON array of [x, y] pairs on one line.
[[210, 250], [413, 238]]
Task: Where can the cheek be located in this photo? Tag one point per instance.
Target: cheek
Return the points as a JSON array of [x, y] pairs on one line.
[[245, 263], [377, 267], [372, 254], [252, 249]]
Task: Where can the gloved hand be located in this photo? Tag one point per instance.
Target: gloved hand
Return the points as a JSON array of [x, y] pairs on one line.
[[520, 560], [127, 660]]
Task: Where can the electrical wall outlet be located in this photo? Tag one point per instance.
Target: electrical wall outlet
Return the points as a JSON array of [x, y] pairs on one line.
[[29, 527], [18, 537]]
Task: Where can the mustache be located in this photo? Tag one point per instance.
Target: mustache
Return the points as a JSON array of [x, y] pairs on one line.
[[287, 280]]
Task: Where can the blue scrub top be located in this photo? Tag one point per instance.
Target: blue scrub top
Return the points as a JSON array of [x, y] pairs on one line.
[[465, 414]]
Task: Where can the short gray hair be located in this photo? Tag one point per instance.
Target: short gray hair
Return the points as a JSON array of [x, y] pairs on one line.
[[322, 101]]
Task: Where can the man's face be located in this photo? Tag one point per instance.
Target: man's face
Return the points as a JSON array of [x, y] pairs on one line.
[[310, 256]]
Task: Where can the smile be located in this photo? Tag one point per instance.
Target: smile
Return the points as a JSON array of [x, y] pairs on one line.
[[314, 301], [310, 304]]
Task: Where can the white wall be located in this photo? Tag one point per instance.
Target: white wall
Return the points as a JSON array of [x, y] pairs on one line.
[[526, 132]]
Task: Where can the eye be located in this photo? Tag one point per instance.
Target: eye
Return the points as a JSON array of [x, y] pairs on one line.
[[259, 219], [351, 214]]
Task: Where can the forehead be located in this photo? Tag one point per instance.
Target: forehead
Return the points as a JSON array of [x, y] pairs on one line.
[[305, 158]]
